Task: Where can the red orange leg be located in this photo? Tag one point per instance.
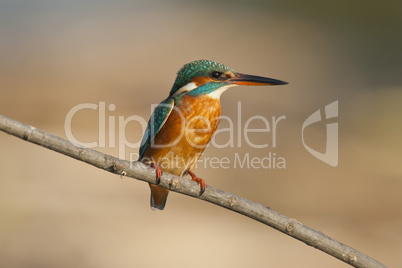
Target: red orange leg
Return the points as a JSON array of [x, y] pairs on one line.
[[201, 182], [158, 172]]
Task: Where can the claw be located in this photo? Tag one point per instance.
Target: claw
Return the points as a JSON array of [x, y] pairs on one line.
[[158, 172], [201, 182]]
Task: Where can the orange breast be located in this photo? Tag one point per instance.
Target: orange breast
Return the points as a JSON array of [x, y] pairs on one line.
[[184, 136]]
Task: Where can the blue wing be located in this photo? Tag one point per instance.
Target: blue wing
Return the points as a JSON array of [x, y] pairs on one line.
[[155, 123]]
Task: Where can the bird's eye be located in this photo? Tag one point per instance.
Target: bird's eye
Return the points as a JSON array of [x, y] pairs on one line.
[[216, 74]]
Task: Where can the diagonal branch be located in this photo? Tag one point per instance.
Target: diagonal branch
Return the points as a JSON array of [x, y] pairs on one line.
[[215, 196]]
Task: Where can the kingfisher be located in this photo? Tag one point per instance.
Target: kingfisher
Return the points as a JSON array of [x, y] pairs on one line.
[[182, 125]]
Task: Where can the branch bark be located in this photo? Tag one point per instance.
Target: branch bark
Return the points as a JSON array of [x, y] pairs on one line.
[[215, 196]]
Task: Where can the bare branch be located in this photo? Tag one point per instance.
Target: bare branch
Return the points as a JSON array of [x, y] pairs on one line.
[[215, 196]]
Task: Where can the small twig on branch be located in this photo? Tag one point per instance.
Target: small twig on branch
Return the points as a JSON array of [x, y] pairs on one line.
[[215, 196]]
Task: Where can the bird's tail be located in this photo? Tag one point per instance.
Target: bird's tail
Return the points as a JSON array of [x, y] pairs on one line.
[[158, 196]]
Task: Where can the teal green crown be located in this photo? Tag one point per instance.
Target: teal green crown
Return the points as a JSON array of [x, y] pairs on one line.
[[197, 68]]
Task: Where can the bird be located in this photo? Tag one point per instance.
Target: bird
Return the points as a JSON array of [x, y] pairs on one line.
[[182, 125]]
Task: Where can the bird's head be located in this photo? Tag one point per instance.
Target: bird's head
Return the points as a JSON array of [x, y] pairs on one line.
[[209, 77]]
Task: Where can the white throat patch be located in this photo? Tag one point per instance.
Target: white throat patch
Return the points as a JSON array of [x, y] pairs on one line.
[[216, 94]]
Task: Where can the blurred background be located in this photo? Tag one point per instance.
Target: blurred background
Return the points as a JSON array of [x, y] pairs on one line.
[[59, 212]]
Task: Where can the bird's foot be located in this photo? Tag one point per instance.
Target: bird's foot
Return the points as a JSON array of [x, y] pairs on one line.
[[201, 182], [158, 172]]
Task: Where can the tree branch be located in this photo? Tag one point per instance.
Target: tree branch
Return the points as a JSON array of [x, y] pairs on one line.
[[215, 196]]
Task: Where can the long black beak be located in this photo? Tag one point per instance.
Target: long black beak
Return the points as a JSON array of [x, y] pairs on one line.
[[253, 80]]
